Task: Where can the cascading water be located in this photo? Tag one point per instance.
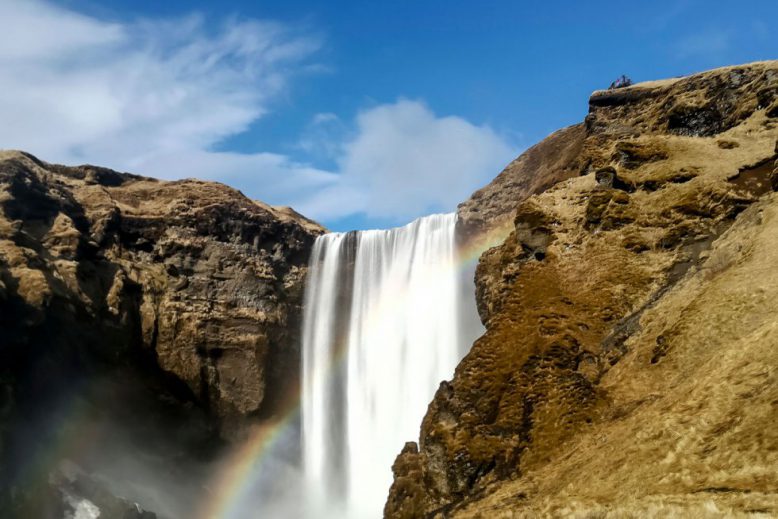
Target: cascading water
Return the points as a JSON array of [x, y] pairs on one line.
[[382, 328]]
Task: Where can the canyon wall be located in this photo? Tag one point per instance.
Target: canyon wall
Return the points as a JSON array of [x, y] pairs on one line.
[[176, 303], [628, 367]]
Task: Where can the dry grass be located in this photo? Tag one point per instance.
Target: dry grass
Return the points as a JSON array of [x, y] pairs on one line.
[[701, 440], [630, 370]]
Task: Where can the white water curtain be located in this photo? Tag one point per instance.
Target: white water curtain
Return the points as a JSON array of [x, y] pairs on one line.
[[382, 328]]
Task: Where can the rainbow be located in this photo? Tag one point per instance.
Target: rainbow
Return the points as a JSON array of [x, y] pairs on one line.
[[237, 478]]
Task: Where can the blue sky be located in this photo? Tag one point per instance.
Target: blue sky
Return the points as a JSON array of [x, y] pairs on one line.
[[359, 114]]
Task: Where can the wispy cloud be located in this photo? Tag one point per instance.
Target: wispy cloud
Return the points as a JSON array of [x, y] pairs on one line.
[[156, 97], [75, 88], [323, 137], [711, 43]]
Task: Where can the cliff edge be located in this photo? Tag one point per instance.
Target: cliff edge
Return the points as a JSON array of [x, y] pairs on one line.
[[164, 310], [628, 368]]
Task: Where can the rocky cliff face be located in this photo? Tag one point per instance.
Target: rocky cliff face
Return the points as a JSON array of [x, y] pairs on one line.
[[628, 367], [489, 211], [486, 218], [175, 303]]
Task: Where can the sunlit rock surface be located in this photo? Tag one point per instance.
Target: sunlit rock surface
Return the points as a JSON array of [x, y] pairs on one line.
[[132, 306], [629, 362]]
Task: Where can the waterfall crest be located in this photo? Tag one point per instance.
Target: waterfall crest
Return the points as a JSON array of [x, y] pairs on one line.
[[382, 328]]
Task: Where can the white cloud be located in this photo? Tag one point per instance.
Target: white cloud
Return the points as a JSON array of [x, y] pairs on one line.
[[130, 96], [323, 137], [269, 177], [156, 97], [404, 161], [27, 32]]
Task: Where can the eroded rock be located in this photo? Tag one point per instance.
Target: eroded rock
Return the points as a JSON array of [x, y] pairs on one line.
[[172, 306], [566, 368]]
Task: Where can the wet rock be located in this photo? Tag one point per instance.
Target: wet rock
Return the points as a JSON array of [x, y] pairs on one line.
[[83, 496], [197, 265], [407, 494]]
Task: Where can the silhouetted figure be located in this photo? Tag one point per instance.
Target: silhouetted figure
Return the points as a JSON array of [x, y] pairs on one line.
[[621, 82]]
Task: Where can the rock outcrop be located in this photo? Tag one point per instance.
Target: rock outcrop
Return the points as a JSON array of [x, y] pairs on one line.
[[176, 303], [552, 160], [629, 362]]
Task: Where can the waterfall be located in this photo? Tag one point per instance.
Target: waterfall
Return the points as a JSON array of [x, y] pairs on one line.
[[382, 328]]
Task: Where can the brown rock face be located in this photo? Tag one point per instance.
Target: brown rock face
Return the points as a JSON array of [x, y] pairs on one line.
[[167, 303], [192, 274], [627, 366], [167, 313], [486, 217]]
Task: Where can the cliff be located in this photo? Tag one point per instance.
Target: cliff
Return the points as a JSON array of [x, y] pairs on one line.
[[143, 303], [489, 211], [628, 366]]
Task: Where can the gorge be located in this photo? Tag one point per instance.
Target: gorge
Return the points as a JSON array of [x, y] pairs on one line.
[[157, 333]]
